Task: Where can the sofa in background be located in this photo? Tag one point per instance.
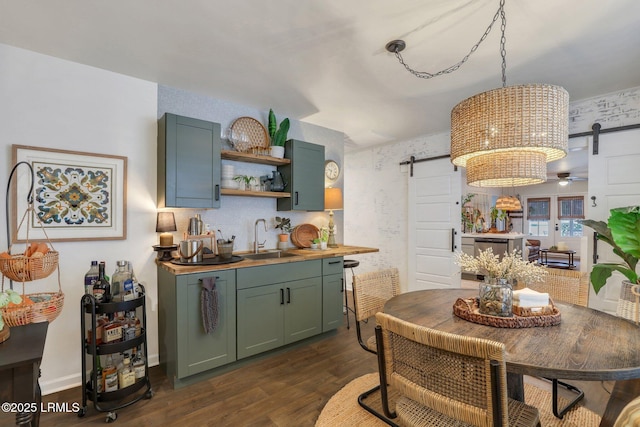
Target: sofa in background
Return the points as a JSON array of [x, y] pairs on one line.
[[533, 249]]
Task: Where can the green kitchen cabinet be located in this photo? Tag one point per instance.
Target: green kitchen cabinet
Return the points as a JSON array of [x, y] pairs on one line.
[[332, 293], [188, 162], [185, 348], [304, 177], [278, 305]]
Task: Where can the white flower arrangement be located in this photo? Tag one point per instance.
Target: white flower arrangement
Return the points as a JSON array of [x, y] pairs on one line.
[[511, 267]]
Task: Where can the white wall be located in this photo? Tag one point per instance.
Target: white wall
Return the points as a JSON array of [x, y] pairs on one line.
[[49, 102], [376, 186]]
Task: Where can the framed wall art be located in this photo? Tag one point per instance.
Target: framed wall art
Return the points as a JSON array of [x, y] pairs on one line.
[[76, 195]]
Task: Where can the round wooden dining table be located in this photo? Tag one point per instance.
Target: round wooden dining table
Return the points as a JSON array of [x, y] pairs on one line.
[[587, 345]]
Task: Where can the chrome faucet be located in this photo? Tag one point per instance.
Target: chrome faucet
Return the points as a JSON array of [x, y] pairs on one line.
[[256, 244]]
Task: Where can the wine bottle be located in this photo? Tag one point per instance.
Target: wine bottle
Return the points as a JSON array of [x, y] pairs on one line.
[[102, 287]]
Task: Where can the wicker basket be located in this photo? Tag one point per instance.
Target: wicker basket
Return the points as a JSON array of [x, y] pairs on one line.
[[47, 307], [25, 269]]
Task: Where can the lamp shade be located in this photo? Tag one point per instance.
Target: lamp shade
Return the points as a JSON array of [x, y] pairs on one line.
[[165, 222], [332, 199]]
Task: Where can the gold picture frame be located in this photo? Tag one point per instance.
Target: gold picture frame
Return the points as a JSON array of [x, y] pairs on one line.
[[77, 196]]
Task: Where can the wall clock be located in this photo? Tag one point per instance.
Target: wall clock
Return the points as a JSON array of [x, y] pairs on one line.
[[331, 170]]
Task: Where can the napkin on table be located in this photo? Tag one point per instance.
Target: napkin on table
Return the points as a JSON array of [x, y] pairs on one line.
[[529, 298]]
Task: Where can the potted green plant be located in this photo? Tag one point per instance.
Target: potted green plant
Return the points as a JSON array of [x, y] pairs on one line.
[[7, 297], [277, 134], [244, 181], [284, 224], [622, 232], [324, 237]]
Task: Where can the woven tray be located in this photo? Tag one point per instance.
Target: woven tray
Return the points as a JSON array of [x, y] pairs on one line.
[[467, 309], [256, 138]]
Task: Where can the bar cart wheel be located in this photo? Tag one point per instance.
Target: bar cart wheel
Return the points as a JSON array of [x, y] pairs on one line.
[[111, 417], [82, 412], [148, 394]]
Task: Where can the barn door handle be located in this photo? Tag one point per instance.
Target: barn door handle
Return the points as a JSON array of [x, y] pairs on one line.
[[453, 240], [595, 247]]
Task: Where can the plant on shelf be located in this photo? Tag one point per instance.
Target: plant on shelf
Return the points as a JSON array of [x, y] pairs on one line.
[[622, 232], [278, 134], [284, 224], [245, 180], [8, 297]]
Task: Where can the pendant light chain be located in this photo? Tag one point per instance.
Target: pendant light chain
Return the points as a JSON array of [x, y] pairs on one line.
[[426, 75], [503, 43]]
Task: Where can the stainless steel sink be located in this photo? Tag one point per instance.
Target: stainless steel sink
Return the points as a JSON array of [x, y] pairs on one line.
[[268, 255]]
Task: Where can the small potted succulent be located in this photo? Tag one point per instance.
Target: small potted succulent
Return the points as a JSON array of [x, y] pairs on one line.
[[278, 135], [324, 237]]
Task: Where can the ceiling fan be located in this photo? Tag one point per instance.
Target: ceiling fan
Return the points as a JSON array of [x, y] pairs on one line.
[[565, 178]]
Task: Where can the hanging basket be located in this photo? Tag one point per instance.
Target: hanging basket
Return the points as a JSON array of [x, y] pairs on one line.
[[38, 261], [25, 269], [35, 307]]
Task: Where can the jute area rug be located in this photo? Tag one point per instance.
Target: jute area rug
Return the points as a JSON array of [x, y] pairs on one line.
[[343, 409]]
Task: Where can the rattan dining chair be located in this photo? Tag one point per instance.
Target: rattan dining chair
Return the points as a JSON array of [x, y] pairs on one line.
[[572, 287], [445, 379], [370, 292]]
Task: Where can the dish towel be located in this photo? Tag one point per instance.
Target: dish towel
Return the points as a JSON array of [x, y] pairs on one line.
[[530, 298], [209, 304]]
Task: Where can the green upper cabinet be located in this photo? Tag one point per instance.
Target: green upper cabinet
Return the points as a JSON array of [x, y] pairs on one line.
[[304, 177], [188, 162]]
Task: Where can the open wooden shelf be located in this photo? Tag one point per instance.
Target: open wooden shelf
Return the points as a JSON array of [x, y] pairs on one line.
[[245, 193], [253, 158]]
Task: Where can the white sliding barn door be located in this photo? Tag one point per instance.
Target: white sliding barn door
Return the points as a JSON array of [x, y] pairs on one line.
[[614, 180], [434, 214]]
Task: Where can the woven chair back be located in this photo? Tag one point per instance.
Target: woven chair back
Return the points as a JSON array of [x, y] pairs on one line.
[[449, 373], [372, 290], [565, 286]]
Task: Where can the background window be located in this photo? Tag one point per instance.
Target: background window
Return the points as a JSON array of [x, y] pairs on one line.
[[570, 210], [538, 216]]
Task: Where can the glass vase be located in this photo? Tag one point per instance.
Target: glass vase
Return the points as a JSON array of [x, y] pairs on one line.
[[496, 297]]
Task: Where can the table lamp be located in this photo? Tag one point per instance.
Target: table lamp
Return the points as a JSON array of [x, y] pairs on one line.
[[165, 223], [332, 201]]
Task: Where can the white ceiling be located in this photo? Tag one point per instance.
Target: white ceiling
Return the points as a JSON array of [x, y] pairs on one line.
[[324, 62]]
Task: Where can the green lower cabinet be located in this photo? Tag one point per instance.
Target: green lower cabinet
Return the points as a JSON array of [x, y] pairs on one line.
[[332, 301], [332, 293], [278, 305], [185, 348]]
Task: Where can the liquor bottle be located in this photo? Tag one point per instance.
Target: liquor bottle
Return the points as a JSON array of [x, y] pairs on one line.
[[102, 287], [126, 376], [139, 364], [110, 375], [90, 278], [99, 379], [121, 281]]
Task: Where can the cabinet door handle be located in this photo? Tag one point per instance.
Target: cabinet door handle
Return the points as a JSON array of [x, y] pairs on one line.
[[295, 198], [217, 194], [281, 296], [334, 262], [288, 295], [342, 285]]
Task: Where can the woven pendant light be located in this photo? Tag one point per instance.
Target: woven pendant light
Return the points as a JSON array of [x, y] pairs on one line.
[[506, 125]]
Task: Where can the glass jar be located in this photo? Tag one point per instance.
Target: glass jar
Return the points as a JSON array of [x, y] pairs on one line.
[[496, 297]]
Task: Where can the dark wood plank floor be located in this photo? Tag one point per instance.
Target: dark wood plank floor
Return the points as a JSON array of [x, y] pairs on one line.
[[288, 389]]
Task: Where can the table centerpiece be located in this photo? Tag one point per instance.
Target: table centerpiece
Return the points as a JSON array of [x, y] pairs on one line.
[[500, 274]]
